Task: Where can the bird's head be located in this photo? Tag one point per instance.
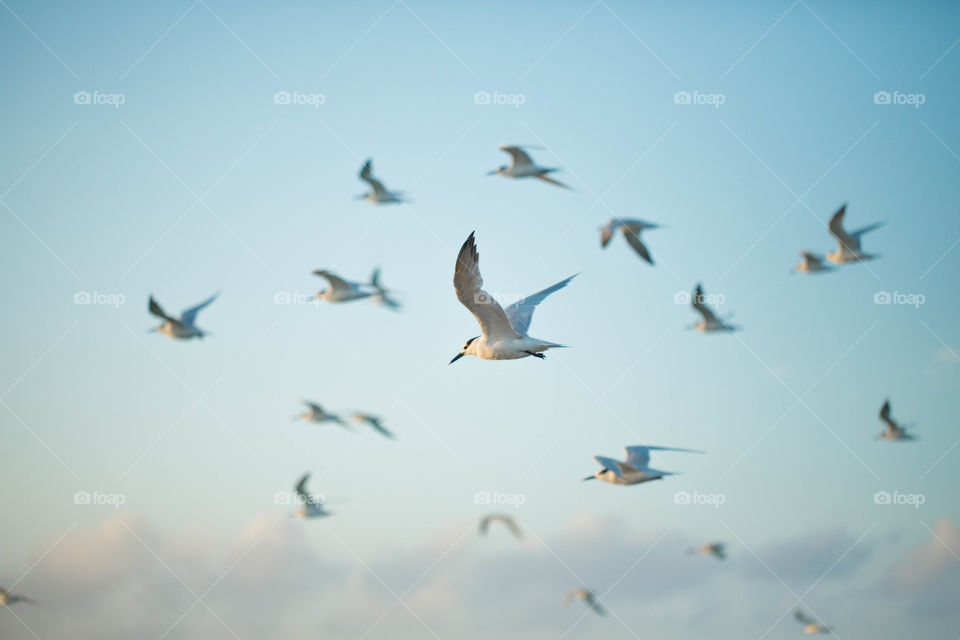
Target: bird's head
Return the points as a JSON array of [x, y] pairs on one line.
[[464, 350], [495, 171]]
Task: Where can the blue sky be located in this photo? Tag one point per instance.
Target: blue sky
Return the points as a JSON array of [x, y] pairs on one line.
[[199, 182]]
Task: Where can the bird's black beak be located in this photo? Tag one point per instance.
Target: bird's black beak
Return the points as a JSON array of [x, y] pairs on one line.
[[589, 478], [456, 357]]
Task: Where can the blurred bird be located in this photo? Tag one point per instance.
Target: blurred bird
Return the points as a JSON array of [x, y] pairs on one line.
[[504, 330], [635, 469], [811, 263], [315, 413], [631, 230], [710, 321], [848, 249], [340, 290], [312, 506], [507, 521], [183, 327], [716, 549], [9, 599], [382, 296], [894, 430], [810, 626], [373, 421], [378, 194], [522, 166], [588, 598]]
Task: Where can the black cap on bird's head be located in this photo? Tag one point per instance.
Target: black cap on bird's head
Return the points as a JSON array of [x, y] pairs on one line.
[[463, 350]]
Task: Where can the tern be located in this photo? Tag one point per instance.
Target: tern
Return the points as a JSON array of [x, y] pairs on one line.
[[315, 413], [378, 194], [504, 330], [522, 166], [382, 295], [312, 506], [588, 598], [811, 263], [183, 327], [810, 626], [507, 521], [631, 230], [848, 244], [894, 430], [715, 549], [9, 599], [340, 290], [710, 321], [635, 469], [373, 421]]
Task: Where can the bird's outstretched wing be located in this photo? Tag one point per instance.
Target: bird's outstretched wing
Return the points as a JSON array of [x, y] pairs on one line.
[[155, 309], [507, 521], [301, 488], [864, 230], [639, 455], [633, 238], [189, 316], [593, 603], [520, 313], [802, 617], [468, 283], [338, 283], [517, 155], [835, 226], [699, 307], [547, 178], [366, 174], [609, 464]]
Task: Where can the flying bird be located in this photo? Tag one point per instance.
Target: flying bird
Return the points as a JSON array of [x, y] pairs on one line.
[[709, 322], [378, 194], [715, 549], [588, 598], [340, 290], [522, 166], [183, 327], [848, 244], [507, 521], [810, 626], [315, 413], [312, 506], [635, 469], [382, 295], [373, 421], [504, 330], [894, 430], [811, 263], [9, 599], [631, 230]]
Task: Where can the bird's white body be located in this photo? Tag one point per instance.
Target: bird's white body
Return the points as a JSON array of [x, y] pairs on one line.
[[894, 430], [848, 244], [8, 599], [631, 230], [709, 321], [373, 421], [715, 549], [378, 194], [635, 469], [340, 290], [522, 166], [811, 263], [506, 348], [182, 328], [588, 599]]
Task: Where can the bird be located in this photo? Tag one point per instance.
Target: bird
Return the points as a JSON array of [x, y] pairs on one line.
[[522, 166], [848, 244], [588, 598], [373, 421], [631, 231], [894, 430], [312, 506], [381, 295], [635, 469], [811, 263], [716, 549], [340, 290], [504, 334], [507, 521], [378, 194], [183, 327], [9, 599], [315, 413], [810, 626], [710, 321]]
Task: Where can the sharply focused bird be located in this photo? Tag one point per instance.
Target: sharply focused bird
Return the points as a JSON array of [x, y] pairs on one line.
[[715, 549], [312, 506], [504, 330], [183, 327], [810, 626], [373, 421], [315, 413], [522, 166], [635, 469], [709, 322], [811, 263], [588, 598], [381, 294], [894, 430], [848, 244], [340, 290], [631, 230], [8, 599], [507, 521], [378, 194]]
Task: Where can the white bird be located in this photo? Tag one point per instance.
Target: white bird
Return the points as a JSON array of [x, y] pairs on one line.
[[848, 244], [715, 549], [811, 263], [312, 506], [631, 231], [635, 469], [8, 599], [522, 166], [382, 295], [378, 194], [183, 327], [507, 521], [315, 413], [373, 421], [810, 626], [588, 598], [709, 322], [894, 430], [340, 290], [504, 330]]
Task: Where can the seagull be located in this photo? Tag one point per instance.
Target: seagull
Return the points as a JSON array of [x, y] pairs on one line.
[[8, 599], [894, 430], [378, 194], [636, 468], [340, 290], [710, 322], [811, 263], [504, 330], [521, 166], [507, 521], [587, 596], [183, 327], [373, 421], [631, 231], [716, 549], [315, 413], [312, 506], [382, 294], [848, 249], [810, 626]]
